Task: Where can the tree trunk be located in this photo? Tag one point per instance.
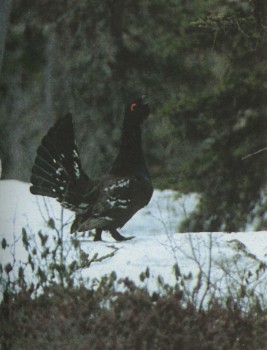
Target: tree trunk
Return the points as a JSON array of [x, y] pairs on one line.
[[5, 7]]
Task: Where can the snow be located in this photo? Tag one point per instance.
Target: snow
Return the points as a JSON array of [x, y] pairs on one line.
[[207, 264]]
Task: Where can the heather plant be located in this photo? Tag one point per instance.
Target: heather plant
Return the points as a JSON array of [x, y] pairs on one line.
[[56, 309], [104, 318], [51, 256]]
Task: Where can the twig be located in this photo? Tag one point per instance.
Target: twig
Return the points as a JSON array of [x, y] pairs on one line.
[[254, 153], [208, 277]]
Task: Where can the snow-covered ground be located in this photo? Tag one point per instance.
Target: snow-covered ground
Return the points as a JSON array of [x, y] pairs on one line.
[[207, 264]]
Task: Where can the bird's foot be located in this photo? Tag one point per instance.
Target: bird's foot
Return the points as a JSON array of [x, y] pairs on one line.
[[98, 234], [118, 237]]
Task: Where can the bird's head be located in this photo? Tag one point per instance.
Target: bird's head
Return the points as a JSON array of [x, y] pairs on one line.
[[137, 111]]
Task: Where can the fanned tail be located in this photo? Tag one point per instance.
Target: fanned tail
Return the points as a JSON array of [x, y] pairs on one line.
[[57, 170]]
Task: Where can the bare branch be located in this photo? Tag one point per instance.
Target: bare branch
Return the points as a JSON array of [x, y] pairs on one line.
[[254, 153]]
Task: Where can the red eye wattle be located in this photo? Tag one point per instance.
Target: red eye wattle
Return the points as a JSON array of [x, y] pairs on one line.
[[133, 105]]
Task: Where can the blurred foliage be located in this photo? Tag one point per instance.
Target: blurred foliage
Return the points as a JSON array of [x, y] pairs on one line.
[[202, 64], [103, 318]]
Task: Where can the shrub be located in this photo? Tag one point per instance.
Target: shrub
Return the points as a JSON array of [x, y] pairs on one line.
[[105, 318]]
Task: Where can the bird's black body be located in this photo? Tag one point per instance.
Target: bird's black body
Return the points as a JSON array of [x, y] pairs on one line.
[[102, 205]]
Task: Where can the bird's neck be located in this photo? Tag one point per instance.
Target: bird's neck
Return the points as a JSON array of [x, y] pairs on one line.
[[130, 158]]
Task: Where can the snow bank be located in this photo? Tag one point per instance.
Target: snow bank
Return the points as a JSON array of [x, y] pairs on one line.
[[208, 263]]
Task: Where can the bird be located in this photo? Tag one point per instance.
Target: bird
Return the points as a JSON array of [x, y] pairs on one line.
[[105, 204]]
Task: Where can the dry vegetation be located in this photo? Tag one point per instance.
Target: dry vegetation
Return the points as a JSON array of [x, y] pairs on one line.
[[106, 319]]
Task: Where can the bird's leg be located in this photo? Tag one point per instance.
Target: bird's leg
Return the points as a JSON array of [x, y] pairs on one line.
[[98, 233], [117, 236]]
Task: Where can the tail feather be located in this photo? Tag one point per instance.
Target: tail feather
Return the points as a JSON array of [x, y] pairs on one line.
[[57, 170], [41, 191], [42, 172], [46, 165], [50, 168]]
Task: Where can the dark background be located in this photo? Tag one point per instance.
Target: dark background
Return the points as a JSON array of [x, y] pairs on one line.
[[202, 65]]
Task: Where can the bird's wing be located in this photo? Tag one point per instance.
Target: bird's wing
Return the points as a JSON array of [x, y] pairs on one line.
[[116, 195], [57, 170], [114, 206]]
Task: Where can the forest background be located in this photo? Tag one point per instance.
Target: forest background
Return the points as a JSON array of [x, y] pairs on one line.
[[202, 65]]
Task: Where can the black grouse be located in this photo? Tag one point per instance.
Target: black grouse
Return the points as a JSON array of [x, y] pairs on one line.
[[104, 205]]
